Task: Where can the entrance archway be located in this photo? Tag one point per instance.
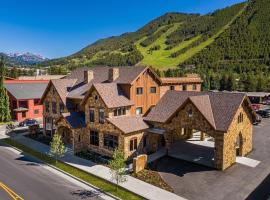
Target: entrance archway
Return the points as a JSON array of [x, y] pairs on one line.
[[239, 145], [66, 134]]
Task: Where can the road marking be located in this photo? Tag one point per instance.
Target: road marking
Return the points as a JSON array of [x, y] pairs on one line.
[[13, 195]]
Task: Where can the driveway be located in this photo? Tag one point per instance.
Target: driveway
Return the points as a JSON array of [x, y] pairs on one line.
[[238, 182]]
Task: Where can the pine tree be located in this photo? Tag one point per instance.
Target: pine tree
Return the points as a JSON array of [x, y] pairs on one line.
[[4, 100]]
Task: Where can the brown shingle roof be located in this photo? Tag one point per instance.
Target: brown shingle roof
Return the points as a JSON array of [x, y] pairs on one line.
[[219, 112], [181, 80], [128, 124], [101, 74], [203, 104], [62, 85], [112, 95]]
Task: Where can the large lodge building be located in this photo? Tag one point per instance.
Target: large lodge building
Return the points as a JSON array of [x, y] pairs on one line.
[[131, 108]]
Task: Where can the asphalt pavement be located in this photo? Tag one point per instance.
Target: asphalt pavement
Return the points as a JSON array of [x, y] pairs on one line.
[[31, 180]]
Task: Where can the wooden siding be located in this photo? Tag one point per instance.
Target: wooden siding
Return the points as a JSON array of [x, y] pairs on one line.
[[146, 100]]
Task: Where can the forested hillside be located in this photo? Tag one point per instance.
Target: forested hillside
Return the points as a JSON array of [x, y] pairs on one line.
[[230, 48]]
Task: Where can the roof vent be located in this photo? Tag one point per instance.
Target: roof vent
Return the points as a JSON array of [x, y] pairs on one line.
[[88, 76], [113, 74]]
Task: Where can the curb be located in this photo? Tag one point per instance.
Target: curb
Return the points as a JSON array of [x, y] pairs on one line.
[[70, 175]]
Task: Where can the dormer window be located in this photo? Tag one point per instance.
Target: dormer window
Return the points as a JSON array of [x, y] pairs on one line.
[[119, 111], [190, 113]]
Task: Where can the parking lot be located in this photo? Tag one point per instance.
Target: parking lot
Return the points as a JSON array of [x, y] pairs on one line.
[[238, 182]]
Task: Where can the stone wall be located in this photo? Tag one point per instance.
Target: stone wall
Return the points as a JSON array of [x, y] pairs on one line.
[[225, 149], [52, 96], [94, 101], [242, 130]]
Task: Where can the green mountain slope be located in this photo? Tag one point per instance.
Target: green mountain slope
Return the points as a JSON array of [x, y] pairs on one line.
[[241, 53], [163, 43]]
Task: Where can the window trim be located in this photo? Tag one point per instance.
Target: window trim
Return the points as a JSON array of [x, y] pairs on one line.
[[139, 107], [137, 89], [101, 120], [95, 135], [133, 144], [184, 87], [172, 87], [153, 87], [91, 109], [112, 138]]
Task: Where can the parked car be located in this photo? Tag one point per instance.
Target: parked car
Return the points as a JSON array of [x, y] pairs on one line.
[[257, 120], [28, 122], [256, 106], [264, 113]]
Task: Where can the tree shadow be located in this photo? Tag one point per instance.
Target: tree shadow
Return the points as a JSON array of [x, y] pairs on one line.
[[84, 194]]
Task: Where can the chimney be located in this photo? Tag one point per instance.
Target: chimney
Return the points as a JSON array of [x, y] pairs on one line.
[[113, 74], [88, 76]]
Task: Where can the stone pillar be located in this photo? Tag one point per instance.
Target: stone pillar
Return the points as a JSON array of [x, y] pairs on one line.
[[139, 163], [218, 154], [202, 136]]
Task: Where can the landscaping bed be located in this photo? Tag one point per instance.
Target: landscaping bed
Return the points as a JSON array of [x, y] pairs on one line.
[[89, 178], [152, 177], [94, 157]]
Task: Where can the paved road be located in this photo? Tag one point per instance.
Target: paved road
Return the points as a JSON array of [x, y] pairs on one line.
[[30, 180], [236, 183]]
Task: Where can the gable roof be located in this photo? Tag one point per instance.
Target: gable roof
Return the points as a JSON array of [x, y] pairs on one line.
[[32, 90], [61, 86], [219, 108], [128, 124], [111, 94], [203, 104]]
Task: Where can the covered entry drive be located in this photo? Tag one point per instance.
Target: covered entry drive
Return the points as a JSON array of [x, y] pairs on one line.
[[194, 150], [224, 117]]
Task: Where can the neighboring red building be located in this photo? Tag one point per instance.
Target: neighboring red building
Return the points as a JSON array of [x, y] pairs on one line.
[[24, 96]]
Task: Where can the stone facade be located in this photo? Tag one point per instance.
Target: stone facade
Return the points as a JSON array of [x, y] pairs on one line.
[[52, 96], [180, 127]]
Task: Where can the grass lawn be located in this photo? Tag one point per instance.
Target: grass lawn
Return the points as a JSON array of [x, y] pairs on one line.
[[89, 178]]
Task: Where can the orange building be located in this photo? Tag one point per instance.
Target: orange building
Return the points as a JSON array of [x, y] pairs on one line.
[[24, 96]]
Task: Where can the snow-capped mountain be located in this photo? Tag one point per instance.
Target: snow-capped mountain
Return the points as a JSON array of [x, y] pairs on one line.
[[23, 58]]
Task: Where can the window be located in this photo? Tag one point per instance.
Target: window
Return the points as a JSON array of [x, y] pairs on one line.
[[62, 108], [96, 98], [36, 111], [54, 110], [139, 90], [101, 116], [184, 87], [172, 87], [94, 138], [190, 114], [240, 118], [47, 107], [79, 138], [139, 111], [194, 87], [110, 141], [153, 90], [23, 114], [133, 144], [92, 114], [119, 111], [144, 141], [36, 102]]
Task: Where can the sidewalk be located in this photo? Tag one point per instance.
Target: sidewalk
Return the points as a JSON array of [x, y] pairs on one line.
[[144, 189]]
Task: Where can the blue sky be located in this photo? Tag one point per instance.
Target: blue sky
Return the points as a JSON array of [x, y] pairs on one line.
[[56, 28]]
